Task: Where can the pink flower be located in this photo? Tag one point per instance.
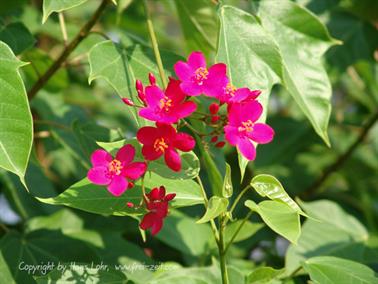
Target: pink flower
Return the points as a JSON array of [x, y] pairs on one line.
[[232, 94], [115, 173], [197, 79], [242, 128], [164, 140], [157, 205], [166, 107]]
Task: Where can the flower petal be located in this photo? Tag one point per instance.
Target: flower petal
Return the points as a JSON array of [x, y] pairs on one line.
[[118, 185], [185, 109], [126, 154], [216, 81], [156, 226], [149, 113], [247, 149], [149, 153], [147, 221], [262, 133], [191, 88], [183, 70], [172, 159], [251, 110], [196, 60], [167, 131], [98, 175], [147, 135], [174, 91], [153, 95], [101, 158], [232, 135], [184, 142], [134, 170]]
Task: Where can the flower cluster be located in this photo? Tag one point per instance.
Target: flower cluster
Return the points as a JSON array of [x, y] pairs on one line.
[[168, 108]]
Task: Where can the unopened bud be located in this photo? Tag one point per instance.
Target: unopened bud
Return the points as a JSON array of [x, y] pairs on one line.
[[139, 86], [214, 139], [220, 144], [128, 101], [152, 79], [215, 118], [130, 204], [130, 185], [213, 108]]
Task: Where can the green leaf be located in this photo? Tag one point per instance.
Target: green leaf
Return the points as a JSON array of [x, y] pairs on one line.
[[246, 231], [263, 275], [334, 270], [16, 129], [17, 37], [280, 217], [184, 234], [251, 54], [83, 273], [216, 206], [121, 67], [303, 40], [342, 236], [198, 22], [267, 185], [227, 188], [50, 6]]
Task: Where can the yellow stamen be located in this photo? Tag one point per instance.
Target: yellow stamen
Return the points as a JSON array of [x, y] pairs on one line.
[[201, 75], [115, 167], [160, 145], [165, 103], [230, 89], [247, 126]]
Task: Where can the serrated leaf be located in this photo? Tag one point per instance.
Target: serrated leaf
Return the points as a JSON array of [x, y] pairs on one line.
[[216, 206], [334, 270], [227, 183], [121, 67], [16, 128], [50, 6], [252, 56], [303, 40], [280, 217], [17, 37], [267, 185]]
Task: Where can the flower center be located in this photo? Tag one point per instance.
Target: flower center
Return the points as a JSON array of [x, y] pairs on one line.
[[230, 90], [165, 103], [200, 75], [160, 145], [247, 126], [115, 167]]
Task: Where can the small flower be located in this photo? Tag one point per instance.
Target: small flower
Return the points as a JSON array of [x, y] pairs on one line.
[[115, 173], [232, 94], [197, 79], [164, 140], [242, 128], [157, 205], [168, 106]]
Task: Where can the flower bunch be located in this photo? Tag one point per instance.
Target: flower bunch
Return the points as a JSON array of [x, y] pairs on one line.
[[168, 108]]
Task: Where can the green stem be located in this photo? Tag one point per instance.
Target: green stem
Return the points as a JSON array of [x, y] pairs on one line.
[[237, 231], [206, 201], [154, 43], [222, 251], [238, 198]]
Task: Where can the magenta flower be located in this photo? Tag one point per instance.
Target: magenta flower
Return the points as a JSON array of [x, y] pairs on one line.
[[197, 79], [242, 128], [232, 94], [115, 173], [166, 107], [164, 140]]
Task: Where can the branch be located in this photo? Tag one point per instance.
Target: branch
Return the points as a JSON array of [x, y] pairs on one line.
[[312, 189], [83, 33]]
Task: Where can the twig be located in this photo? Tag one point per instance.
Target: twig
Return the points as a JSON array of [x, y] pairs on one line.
[[83, 33], [314, 187], [63, 28]]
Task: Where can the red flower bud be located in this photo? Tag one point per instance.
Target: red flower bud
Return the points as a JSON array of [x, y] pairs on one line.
[[214, 108], [130, 184], [214, 139], [139, 86], [220, 144], [215, 118], [130, 204], [152, 79], [127, 101]]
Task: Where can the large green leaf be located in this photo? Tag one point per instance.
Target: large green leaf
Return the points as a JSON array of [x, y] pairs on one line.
[[267, 185], [280, 217], [198, 22], [334, 270], [16, 129], [303, 40], [17, 36], [251, 54], [216, 206], [334, 233], [50, 6], [121, 67], [247, 230]]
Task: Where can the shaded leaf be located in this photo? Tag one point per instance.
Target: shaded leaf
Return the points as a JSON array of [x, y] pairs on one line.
[[17, 37], [50, 6]]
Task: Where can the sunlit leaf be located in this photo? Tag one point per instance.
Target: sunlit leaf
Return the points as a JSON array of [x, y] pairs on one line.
[[50, 6], [216, 206]]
